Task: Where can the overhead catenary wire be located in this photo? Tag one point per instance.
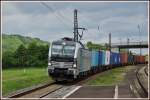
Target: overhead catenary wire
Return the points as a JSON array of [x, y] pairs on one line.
[[65, 17], [61, 13], [83, 17], [59, 18]]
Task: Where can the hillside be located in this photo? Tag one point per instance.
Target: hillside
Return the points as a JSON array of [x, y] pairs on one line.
[[12, 42]]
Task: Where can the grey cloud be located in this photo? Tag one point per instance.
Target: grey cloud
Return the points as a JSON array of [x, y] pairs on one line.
[[35, 20]]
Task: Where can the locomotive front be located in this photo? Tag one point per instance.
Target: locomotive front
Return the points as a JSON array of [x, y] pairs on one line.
[[62, 62]]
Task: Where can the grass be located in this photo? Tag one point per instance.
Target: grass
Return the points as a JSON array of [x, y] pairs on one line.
[[15, 79], [110, 77]]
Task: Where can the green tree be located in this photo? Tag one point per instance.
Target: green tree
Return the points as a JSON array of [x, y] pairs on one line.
[[43, 55], [21, 56], [33, 53], [91, 46], [8, 59]]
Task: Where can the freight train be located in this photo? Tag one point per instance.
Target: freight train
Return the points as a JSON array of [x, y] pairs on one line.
[[69, 60]]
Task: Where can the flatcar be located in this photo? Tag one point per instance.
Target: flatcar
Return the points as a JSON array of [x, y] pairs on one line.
[[69, 60]]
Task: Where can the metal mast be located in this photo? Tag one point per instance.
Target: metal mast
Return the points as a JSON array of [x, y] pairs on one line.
[[75, 26], [77, 36], [110, 41]]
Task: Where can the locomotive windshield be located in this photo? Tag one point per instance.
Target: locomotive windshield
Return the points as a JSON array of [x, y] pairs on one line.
[[60, 50], [57, 50], [69, 50]]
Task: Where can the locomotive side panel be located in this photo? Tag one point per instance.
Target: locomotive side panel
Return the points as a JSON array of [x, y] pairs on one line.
[[84, 60]]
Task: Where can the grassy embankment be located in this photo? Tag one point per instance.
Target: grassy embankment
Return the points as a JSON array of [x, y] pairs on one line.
[[14, 79], [110, 77]]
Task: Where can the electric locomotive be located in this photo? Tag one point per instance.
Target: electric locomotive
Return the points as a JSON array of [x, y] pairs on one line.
[[63, 59]]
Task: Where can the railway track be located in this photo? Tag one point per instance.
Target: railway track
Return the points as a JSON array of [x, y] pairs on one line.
[[51, 91], [45, 90], [37, 92]]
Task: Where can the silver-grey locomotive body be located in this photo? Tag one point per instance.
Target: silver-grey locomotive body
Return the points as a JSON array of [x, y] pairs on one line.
[[67, 59]]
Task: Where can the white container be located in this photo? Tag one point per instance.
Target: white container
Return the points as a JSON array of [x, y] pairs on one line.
[[107, 58]]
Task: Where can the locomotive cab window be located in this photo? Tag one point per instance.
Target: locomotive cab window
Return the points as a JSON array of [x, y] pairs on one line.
[[69, 50], [56, 49], [63, 50]]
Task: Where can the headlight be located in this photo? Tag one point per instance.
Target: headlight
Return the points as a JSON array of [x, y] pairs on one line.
[[49, 64], [74, 65]]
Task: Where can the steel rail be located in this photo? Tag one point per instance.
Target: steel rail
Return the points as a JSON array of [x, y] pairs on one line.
[[28, 91]]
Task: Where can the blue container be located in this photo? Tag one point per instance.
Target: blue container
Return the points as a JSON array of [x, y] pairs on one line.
[[100, 58], [103, 57], [118, 58], [114, 58], [111, 58], [107, 57], [130, 58], [94, 58]]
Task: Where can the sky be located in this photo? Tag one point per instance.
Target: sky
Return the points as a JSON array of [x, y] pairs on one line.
[[121, 19]]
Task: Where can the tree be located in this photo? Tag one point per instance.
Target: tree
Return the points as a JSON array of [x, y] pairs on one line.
[[34, 55], [37, 54], [91, 46], [21, 56], [8, 59]]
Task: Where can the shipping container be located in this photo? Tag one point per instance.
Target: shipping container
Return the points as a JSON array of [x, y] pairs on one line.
[[94, 58], [115, 58], [134, 59], [124, 58], [100, 58], [118, 58], [111, 58], [107, 57], [130, 59], [138, 59], [103, 57], [142, 59]]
